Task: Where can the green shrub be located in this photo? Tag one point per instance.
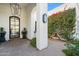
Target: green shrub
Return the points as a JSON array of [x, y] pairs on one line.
[[69, 52], [63, 24], [72, 48], [33, 42]]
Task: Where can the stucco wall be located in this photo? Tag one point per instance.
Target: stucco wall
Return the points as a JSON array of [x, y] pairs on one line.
[[5, 12], [30, 24], [42, 28]]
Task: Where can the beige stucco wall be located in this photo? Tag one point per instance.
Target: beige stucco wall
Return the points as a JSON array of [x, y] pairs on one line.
[[5, 12]]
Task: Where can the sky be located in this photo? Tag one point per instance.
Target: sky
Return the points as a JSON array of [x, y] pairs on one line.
[[53, 5]]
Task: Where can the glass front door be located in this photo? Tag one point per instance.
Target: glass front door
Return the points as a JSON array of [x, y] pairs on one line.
[[14, 24]]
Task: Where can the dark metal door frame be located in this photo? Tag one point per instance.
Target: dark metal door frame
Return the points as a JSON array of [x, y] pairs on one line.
[[10, 25]]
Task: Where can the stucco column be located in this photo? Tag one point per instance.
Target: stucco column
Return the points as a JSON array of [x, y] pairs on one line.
[[77, 20], [42, 28]]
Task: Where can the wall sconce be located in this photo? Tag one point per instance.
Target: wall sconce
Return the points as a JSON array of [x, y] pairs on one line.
[[44, 18]]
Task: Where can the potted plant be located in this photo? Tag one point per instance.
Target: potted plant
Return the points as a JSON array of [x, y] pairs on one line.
[[2, 34], [24, 33]]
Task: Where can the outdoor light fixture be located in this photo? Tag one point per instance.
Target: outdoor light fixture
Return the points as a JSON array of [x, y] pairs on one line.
[[44, 18]]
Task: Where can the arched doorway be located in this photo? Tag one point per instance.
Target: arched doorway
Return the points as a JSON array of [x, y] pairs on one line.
[[14, 27], [33, 22]]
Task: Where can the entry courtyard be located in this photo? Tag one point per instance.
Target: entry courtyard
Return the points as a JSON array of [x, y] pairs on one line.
[[27, 30]]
